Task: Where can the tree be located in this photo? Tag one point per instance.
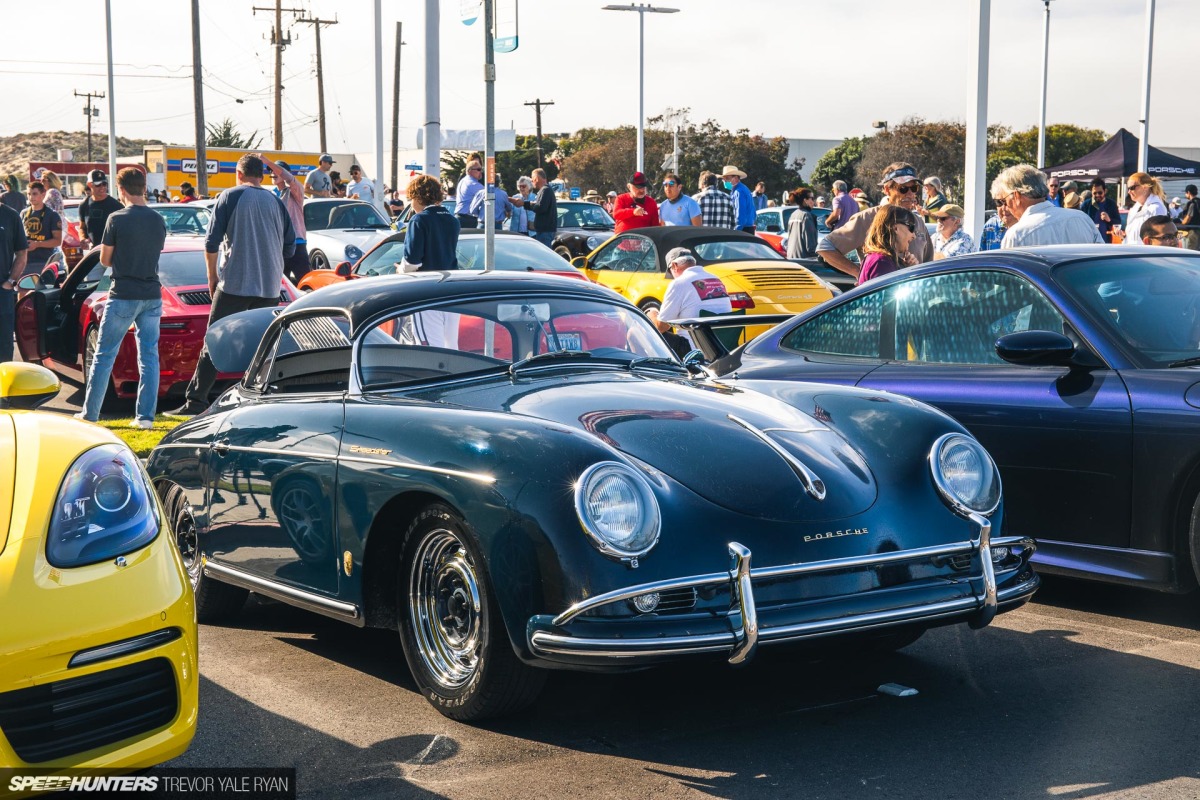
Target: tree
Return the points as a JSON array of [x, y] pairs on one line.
[[934, 148], [840, 163], [522, 160], [226, 134]]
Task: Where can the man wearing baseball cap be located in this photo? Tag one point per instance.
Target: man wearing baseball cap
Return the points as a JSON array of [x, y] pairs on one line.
[[693, 292], [951, 239], [902, 187], [635, 209], [743, 202], [94, 210], [318, 183]]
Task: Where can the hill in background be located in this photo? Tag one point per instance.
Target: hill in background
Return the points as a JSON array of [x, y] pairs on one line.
[[17, 151]]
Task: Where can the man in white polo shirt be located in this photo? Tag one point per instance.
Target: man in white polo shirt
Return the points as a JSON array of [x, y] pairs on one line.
[[693, 290]]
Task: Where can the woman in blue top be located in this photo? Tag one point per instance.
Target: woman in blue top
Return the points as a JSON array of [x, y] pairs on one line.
[[431, 241]]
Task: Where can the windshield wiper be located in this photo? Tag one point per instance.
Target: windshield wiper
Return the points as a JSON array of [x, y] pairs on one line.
[[657, 361], [549, 355], [1185, 362], [595, 227]]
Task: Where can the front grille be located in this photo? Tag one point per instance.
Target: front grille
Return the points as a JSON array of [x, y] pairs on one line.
[[796, 278], [201, 297], [60, 719], [676, 600]]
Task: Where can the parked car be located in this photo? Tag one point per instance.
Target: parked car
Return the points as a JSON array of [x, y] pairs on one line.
[[1076, 367], [183, 218], [58, 324], [515, 472], [514, 252], [758, 279], [582, 227], [98, 650], [341, 230]]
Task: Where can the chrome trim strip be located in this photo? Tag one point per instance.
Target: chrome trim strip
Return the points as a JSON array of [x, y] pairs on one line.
[[543, 642], [814, 486], [458, 473], [747, 633], [275, 451], [784, 571], [124, 647], [313, 602]]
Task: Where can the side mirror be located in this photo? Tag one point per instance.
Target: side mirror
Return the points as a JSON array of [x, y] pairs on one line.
[[29, 283], [695, 362], [1036, 349], [26, 385], [579, 262], [342, 269]]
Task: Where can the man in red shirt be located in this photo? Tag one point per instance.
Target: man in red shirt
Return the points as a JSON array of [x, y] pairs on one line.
[[635, 209]]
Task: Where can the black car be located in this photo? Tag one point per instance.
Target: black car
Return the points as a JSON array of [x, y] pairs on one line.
[[582, 227]]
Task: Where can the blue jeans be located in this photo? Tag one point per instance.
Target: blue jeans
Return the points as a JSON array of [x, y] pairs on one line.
[[8, 320], [144, 315], [546, 238]]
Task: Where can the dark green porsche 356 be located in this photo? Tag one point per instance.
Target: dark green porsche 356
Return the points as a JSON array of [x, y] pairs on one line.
[[517, 473]]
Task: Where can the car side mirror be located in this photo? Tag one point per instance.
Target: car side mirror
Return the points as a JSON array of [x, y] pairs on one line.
[[343, 269], [1036, 349], [579, 262], [29, 283]]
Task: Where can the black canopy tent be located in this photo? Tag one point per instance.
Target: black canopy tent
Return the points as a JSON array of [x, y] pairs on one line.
[[1117, 159]]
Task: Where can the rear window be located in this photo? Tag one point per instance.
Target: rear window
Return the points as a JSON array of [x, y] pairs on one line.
[[735, 250], [184, 268]]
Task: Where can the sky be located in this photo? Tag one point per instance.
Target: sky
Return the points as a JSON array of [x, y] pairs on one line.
[[763, 65]]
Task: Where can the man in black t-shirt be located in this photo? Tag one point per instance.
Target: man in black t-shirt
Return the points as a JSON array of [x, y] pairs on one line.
[[544, 206], [43, 229], [12, 265], [94, 211], [133, 240]]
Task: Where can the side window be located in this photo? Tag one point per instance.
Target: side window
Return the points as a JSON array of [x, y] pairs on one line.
[[432, 344], [956, 319], [767, 221], [312, 354], [851, 329], [628, 253]]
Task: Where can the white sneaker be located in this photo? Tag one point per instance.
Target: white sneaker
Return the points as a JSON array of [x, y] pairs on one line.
[[144, 424], [81, 416]]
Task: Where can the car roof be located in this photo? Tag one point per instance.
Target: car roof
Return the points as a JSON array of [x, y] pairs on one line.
[[669, 236], [179, 244], [465, 232], [363, 300]]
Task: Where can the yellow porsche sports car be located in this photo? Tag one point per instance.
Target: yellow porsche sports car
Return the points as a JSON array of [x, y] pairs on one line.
[[759, 280], [98, 632]]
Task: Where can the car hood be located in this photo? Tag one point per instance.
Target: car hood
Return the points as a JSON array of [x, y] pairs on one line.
[[362, 238], [683, 429]]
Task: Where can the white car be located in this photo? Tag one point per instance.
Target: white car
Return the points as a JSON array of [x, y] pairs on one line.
[[341, 230]]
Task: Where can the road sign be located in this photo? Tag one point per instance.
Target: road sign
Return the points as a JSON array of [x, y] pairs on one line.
[[469, 10], [574, 192], [506, 26]]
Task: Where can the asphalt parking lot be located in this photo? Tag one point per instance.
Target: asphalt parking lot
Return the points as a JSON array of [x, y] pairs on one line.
[[1088, 692]]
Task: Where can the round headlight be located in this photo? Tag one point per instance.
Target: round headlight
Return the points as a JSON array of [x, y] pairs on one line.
[[965, 474], [617, 510], [595, 241], [353, 253]]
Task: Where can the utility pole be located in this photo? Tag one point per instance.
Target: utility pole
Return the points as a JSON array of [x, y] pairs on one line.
[[317, 23], [537, 104], [396, 107], [198, 99], [90, 111], [278, 42]]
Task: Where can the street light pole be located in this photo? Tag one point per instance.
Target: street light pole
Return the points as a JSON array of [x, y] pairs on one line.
[[1144, 144], [642, 9], [1041, 153]]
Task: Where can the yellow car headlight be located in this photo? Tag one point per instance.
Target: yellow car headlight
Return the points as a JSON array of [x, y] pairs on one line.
[[104, 509]]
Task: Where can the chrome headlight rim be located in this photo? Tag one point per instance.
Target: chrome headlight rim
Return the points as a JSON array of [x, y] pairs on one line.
[[353, 253], [939, 479], [652, 514], [144, 522]]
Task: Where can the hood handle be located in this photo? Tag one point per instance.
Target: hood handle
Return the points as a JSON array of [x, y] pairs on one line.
[[814, 486]]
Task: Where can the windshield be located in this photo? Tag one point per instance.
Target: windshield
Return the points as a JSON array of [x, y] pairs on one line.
[[513, 253], [583, 215], [344, 214], [484, 336], [72, 213], [183, 268], [1150, 303], [183, 219], [741, 249]]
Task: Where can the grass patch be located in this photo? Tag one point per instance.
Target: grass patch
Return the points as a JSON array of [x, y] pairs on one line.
[[141, 442]]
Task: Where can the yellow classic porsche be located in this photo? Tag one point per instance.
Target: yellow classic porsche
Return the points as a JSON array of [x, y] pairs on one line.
[[97, 617], [758, 279]]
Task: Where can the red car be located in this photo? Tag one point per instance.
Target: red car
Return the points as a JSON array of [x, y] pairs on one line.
[[58, 325]]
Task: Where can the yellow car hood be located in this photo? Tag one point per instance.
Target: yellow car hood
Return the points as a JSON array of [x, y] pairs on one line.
[[36, 450]]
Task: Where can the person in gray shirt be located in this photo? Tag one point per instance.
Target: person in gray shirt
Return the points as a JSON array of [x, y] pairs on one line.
[[130, 245], [251, 230]]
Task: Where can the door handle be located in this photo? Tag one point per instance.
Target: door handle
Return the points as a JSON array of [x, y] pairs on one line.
[[221, 447]]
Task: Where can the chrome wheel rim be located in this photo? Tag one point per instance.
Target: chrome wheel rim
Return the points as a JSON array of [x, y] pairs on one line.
[[188, 542], [319, 261], [444, 608]]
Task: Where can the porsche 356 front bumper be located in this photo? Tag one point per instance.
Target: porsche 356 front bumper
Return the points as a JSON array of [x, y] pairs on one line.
[[740, 630]]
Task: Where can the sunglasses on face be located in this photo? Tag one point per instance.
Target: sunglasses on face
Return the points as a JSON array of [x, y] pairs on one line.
[[911, 228], [670, 183], [907, 188], [1166, 238]]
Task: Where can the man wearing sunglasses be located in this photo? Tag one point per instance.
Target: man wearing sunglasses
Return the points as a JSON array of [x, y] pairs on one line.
[[94, 211], [1160, 231], [678, 208], [470, 185], [1022, 190], [902, 187]]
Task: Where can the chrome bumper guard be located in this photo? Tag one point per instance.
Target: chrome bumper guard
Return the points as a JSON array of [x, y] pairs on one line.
[[742, 641]]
